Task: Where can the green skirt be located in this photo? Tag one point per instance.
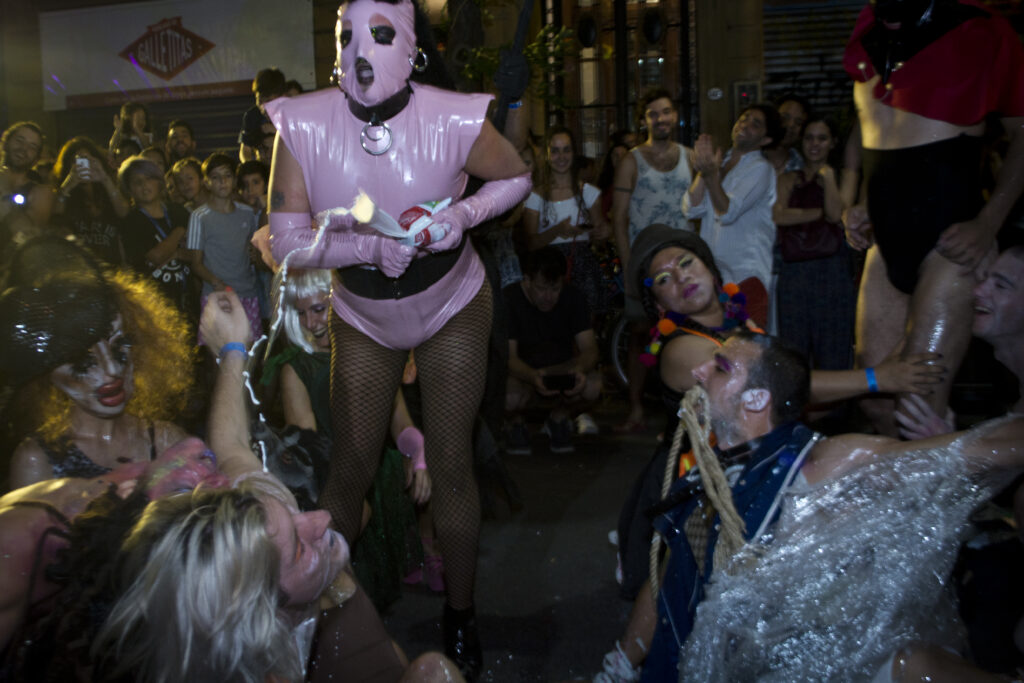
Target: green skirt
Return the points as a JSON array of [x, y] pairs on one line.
[[389, 546]]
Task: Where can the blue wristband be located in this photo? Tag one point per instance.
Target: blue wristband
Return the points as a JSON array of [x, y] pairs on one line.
[[232, 346], [872, 381], [515, 105]]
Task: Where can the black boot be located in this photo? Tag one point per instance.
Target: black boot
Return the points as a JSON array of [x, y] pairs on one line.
[[462, 640]]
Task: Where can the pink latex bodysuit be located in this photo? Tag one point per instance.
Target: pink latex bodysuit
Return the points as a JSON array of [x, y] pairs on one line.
[[402, 144], [433, 135]]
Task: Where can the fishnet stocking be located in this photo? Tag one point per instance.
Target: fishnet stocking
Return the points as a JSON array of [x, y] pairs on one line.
[[451, 369], [364, 379]]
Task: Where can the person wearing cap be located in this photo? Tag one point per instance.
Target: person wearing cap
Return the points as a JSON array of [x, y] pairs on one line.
[[97, 364]]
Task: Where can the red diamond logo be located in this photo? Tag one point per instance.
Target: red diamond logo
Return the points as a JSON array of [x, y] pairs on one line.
[[166, 49]]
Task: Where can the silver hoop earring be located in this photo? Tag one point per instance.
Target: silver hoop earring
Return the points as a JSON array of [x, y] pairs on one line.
[[414, 61]]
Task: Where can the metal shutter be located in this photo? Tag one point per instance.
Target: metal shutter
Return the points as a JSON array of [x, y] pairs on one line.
[[803, 50]]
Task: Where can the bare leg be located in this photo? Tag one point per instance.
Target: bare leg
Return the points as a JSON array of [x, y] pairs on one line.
[[881, 322], [623, 662], [636, 641], [637, 375], [940, 319]]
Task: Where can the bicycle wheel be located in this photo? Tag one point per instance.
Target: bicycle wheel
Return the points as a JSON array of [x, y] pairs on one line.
[[618, 348]]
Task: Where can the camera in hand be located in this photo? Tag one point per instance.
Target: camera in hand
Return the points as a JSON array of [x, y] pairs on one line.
[[559, 382]]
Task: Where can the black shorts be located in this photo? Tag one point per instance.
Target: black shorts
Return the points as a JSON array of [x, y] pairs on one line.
[[914, 194]]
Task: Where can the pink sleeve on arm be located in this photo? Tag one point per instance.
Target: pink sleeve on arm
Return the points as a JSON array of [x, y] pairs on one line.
[[292, 232], [292, 238]]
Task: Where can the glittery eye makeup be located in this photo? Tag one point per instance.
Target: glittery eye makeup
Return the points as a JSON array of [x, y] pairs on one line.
[[722, 363], [383, 35]]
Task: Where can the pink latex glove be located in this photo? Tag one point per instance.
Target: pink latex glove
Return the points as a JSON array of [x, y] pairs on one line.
[[493, 199], [291, 232]]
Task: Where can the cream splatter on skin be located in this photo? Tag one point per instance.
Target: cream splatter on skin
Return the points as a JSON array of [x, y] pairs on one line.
[[312, 554], [182, 468], [101, 381], [724, 378]]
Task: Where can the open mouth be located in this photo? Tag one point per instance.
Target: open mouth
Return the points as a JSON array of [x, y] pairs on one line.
[[364, 72], [111, 394], [981, 311]]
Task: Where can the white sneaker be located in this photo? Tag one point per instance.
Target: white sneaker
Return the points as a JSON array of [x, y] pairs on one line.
[[585, 424], [616, 668]]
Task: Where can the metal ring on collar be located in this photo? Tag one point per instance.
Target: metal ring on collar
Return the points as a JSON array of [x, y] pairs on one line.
[[365, 137]]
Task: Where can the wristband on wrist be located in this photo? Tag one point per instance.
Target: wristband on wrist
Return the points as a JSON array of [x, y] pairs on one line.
[[515, 105], [872, 380], [232, 346]]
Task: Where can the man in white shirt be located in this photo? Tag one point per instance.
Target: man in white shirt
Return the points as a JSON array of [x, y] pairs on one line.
[[734, 196]]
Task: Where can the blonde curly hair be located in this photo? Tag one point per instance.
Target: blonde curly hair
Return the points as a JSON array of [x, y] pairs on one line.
[[161, 356]]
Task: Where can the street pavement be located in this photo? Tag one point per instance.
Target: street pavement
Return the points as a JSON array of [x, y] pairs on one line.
[[547, 601]]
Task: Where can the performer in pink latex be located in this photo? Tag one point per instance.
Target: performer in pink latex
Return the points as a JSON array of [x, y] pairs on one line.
[[402, 144]]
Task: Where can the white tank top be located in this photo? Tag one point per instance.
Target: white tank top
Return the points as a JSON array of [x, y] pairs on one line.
[[657, 196]]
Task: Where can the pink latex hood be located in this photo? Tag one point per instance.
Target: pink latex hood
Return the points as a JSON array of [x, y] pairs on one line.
[[364, 26]]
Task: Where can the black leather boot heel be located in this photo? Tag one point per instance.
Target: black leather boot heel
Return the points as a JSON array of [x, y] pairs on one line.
[[462, 640]]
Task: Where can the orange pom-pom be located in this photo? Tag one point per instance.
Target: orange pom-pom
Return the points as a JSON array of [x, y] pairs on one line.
[[731, 288], [666, 327]]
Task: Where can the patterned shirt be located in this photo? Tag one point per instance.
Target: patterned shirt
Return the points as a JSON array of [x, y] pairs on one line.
[[656, 196]]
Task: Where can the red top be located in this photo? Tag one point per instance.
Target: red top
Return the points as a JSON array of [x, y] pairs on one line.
[[975, 69]]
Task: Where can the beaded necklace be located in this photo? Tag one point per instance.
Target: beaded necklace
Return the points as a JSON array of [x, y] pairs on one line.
[[734, 305]]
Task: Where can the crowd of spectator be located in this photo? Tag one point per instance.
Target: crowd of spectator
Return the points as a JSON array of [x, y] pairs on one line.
[[702, 251]]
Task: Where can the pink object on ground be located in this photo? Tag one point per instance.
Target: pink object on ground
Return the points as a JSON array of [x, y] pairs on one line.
[[433, 573]]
